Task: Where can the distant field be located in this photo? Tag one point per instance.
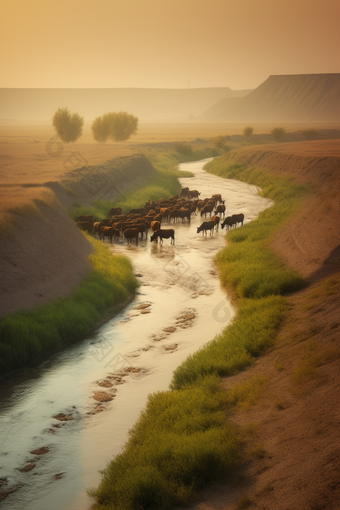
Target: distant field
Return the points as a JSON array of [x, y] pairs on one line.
[[25, 160]]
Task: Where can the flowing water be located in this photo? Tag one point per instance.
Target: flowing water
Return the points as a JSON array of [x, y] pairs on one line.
[[179, 289]]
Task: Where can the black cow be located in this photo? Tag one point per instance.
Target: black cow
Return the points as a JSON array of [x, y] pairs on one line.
[[206, 225], [163, 234]]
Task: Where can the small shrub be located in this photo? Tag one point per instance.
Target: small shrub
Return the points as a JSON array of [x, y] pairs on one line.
[[248, 131], [278, 132]]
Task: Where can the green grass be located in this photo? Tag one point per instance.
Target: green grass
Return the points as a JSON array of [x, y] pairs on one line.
[[180, 442], [163, 185], [183, 439], [26, 336]]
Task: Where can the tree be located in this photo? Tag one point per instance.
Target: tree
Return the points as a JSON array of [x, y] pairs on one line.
[[69, 127], [118, 126], [248, 131], [278, 132]]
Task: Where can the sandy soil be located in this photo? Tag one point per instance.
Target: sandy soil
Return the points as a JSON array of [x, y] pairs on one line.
[[291, 436]]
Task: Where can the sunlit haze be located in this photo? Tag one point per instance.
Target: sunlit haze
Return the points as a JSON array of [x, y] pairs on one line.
[[159, 44]]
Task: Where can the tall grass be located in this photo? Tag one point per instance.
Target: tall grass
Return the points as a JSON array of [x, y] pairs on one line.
[[180, 442], [183, 440], [26, 336]]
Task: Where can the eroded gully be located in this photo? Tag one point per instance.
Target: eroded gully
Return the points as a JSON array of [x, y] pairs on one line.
[[179, 307]]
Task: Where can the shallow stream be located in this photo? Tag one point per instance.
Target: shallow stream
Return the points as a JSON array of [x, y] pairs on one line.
[[179, 290]]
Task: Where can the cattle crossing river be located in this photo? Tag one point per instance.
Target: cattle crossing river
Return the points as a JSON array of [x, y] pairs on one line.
[[180, 292]]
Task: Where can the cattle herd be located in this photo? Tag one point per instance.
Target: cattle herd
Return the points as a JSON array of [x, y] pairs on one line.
[[176, 208]]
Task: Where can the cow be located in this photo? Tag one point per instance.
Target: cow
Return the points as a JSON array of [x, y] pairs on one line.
[[88, 218], [216, 220], [155, 225], [96, 227], [220, 209], [217, 198], [175, 214], [163, 234], [206, 225], [85, 225], [115, 211], [194, 193], [238, 218], [185, 192], [185, 213], [130, 233], [229, 221], [207, 209], [109, 232]]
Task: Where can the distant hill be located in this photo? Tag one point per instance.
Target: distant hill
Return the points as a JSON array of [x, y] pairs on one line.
[[284, 98], [147, 104]]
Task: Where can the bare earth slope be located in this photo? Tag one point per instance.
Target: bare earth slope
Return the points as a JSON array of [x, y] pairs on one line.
[[43, 255], [290, 98], [291, 436]]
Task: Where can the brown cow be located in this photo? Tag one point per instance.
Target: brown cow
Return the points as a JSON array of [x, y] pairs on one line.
[[130, 233], [220, 209], [184, 192], [205, 226], [163, 234], [86, 217], [85, 225], [238, 218], [155, 225], [207, 209], [194, 193], [115, 211], [216, 220], [109, 232]]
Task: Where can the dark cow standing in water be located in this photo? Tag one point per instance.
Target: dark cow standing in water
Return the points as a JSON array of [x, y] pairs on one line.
[[238, 218], [206, 225], [163, 234], [130, 233]]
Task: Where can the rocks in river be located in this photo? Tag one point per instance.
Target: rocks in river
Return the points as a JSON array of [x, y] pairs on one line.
[[58, 476], [158, 338], [104, 384], [30, 465], [40, 451], [170, 329], [102, 396], [132, 369], [143, 306], [171, 347], [143, 312], [63, 417]]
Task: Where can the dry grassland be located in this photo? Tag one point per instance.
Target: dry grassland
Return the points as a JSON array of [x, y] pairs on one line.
[[25, 159]]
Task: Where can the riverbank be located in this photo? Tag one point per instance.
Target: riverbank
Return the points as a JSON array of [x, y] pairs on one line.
[[290, 430]]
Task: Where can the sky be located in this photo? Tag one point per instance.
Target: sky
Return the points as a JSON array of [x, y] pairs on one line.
[[165, 43]]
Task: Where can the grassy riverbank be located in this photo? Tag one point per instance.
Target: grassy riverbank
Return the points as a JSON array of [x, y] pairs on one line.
[[164, 184], [27, 336], [183, 439]]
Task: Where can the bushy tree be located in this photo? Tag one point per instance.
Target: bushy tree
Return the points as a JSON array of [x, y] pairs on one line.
[[248, 131], [220, 142], [117, 126], [68, 126], [278, 132]]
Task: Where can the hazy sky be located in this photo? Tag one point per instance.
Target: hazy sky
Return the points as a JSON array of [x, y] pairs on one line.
[[165, 43]]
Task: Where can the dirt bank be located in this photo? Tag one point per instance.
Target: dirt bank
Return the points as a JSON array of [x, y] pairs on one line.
[[291, 435], [43, 255], [309, 241]]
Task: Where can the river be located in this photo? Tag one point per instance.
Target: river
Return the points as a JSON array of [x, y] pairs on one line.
[[179, 291]]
